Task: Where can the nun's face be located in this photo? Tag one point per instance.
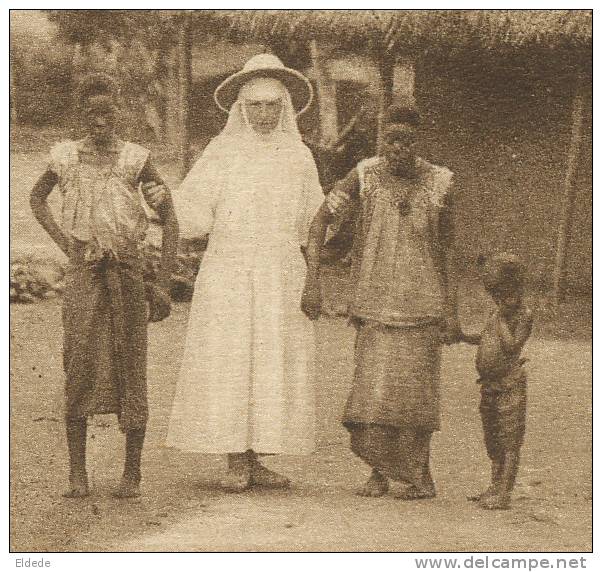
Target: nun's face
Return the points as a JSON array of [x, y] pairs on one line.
[[263, 115]]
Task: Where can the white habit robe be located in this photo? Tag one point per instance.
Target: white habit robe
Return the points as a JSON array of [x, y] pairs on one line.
[[246, 380]]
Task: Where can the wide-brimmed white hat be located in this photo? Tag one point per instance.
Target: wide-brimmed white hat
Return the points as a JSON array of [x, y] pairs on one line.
[[266, 65]]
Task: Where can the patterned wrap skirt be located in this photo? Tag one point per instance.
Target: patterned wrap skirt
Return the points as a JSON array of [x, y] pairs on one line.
[[105, 342], [394, 406], [396, 380], [503, 411]]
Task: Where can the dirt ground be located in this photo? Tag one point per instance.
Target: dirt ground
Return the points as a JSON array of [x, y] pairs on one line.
[[182, 509]]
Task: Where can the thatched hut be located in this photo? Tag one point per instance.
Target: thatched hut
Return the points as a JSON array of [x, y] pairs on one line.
[[507, 98]]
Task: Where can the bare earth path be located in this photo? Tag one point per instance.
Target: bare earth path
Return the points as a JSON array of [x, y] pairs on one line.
[[183, 510]]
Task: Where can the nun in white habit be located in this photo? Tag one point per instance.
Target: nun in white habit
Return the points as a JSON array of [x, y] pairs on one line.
[[246, 385]]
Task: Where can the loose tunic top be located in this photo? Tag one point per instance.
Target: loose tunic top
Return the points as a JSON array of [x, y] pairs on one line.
[[246, 380], [102, 206], [395, 273], [104, 308]]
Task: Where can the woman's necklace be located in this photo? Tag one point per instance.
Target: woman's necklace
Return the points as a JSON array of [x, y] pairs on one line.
[[401, 190]]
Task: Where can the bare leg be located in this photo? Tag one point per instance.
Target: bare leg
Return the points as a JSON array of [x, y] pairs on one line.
[[376, 486], [261, 476], [238, 477], [501, 499], [422, 485], [76, 443], [130, 481]]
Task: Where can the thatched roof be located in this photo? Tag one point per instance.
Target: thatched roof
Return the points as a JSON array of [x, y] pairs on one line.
[[402, 32]]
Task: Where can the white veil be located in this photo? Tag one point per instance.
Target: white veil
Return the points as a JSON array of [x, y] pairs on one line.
[[258, 89], [198, 193]]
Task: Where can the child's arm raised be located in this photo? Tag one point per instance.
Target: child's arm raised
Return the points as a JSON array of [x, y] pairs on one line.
[[514, 342], [39, 205]]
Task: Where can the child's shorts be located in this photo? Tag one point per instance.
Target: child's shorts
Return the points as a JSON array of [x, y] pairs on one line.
[[503, 411]]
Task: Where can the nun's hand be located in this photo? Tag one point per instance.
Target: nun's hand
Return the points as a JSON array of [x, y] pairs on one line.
[[311, 299], [154, 193]]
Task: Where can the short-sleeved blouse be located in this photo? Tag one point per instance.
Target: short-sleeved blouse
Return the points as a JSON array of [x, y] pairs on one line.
[[395, 271], [102, 206]]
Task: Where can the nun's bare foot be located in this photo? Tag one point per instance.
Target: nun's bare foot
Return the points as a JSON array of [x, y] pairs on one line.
[[263, 477], [129, 488], [376, 486], [499, 501], [78, 487]]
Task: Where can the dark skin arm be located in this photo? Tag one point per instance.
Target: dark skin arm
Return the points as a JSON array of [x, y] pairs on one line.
[[448, 271], [311, 300], [160, 303], [167, 216], [39, 206], [515, 335]]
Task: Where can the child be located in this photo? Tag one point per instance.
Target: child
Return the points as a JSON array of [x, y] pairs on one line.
[[102, 231], [502, 378]]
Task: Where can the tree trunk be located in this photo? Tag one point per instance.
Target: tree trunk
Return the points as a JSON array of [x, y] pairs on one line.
[[184, 82], [568, 203], [327, 95], [386, 67]]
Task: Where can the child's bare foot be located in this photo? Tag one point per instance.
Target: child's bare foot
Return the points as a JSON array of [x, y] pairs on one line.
[[498, 501], [414, 493], [129, 488], [489, 491], [263, 477], [376, 486], [78, 487]]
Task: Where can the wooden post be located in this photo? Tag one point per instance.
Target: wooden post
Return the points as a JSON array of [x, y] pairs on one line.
[[386, 68], [14, 110], [326, 95], [184, 82], [568, 202]]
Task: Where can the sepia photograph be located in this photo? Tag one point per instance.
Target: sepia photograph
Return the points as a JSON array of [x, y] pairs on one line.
[[299, 280]]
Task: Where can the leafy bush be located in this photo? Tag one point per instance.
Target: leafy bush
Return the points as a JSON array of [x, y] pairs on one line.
[[34, 279]]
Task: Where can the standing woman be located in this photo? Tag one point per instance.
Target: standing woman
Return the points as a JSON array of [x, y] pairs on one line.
[[102, 230], [403, 302], [246, 383]]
